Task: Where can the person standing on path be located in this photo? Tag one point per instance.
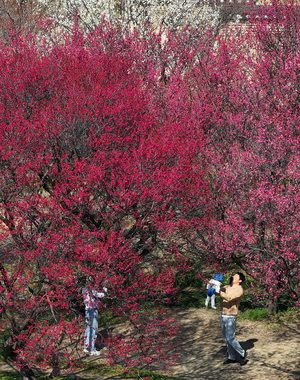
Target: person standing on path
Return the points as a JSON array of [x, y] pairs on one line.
[[91, 301], [230, 299]]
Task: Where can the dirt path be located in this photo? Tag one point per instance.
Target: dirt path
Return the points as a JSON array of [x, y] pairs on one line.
[[273, 352]]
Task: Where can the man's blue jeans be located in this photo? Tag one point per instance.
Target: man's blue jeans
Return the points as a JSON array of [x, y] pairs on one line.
[[228, 325], [90, 334]]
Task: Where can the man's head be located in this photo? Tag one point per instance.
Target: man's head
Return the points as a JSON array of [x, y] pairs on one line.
[[237, 279]]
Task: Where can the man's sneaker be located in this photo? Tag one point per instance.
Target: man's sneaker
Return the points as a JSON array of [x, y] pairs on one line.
[[244, 359], [229, 361], [85, 351], [95, 353]]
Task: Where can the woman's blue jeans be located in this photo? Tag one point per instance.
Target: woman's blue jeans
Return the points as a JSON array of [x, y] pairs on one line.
[[228, 326], [90, 334]]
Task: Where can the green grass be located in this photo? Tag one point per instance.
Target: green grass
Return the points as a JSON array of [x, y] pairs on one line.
[[101, 369], [190, 299], [3, 357], [131, 373], [9, 375], [189, 279], [255, 314]]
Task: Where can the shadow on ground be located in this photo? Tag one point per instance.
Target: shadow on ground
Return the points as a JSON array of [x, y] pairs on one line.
[[202, 351], [273, 351]]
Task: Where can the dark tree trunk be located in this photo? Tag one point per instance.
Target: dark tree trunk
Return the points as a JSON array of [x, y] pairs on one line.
[[273, 305]]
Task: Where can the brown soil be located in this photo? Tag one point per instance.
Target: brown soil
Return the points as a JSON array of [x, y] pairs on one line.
[[272, 350]]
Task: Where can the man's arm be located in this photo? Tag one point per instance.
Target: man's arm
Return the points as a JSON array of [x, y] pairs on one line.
[[231, 293], [218, 292]]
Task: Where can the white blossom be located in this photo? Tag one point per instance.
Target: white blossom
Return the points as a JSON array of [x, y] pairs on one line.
[[167, 14]]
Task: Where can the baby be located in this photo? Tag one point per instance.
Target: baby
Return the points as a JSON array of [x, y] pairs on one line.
[[217, 281]]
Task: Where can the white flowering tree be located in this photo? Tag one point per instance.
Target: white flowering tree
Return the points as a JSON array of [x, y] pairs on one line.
[[167, 14]]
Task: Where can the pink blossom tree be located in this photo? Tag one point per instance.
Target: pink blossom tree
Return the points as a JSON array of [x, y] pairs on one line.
[[127, 157], [247, 103], [97, 178]]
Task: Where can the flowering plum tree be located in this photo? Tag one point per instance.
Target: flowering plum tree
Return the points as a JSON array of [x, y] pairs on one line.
[[121, 155], [97, 178], [251, 119]]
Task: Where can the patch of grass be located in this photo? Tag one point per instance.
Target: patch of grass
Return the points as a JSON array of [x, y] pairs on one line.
[[289, 316], [107, 318], [9, 375], [131, 373], [3, 356], [189, 279], [101, 369], [5, 335], [255, 314], [190, 298]]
